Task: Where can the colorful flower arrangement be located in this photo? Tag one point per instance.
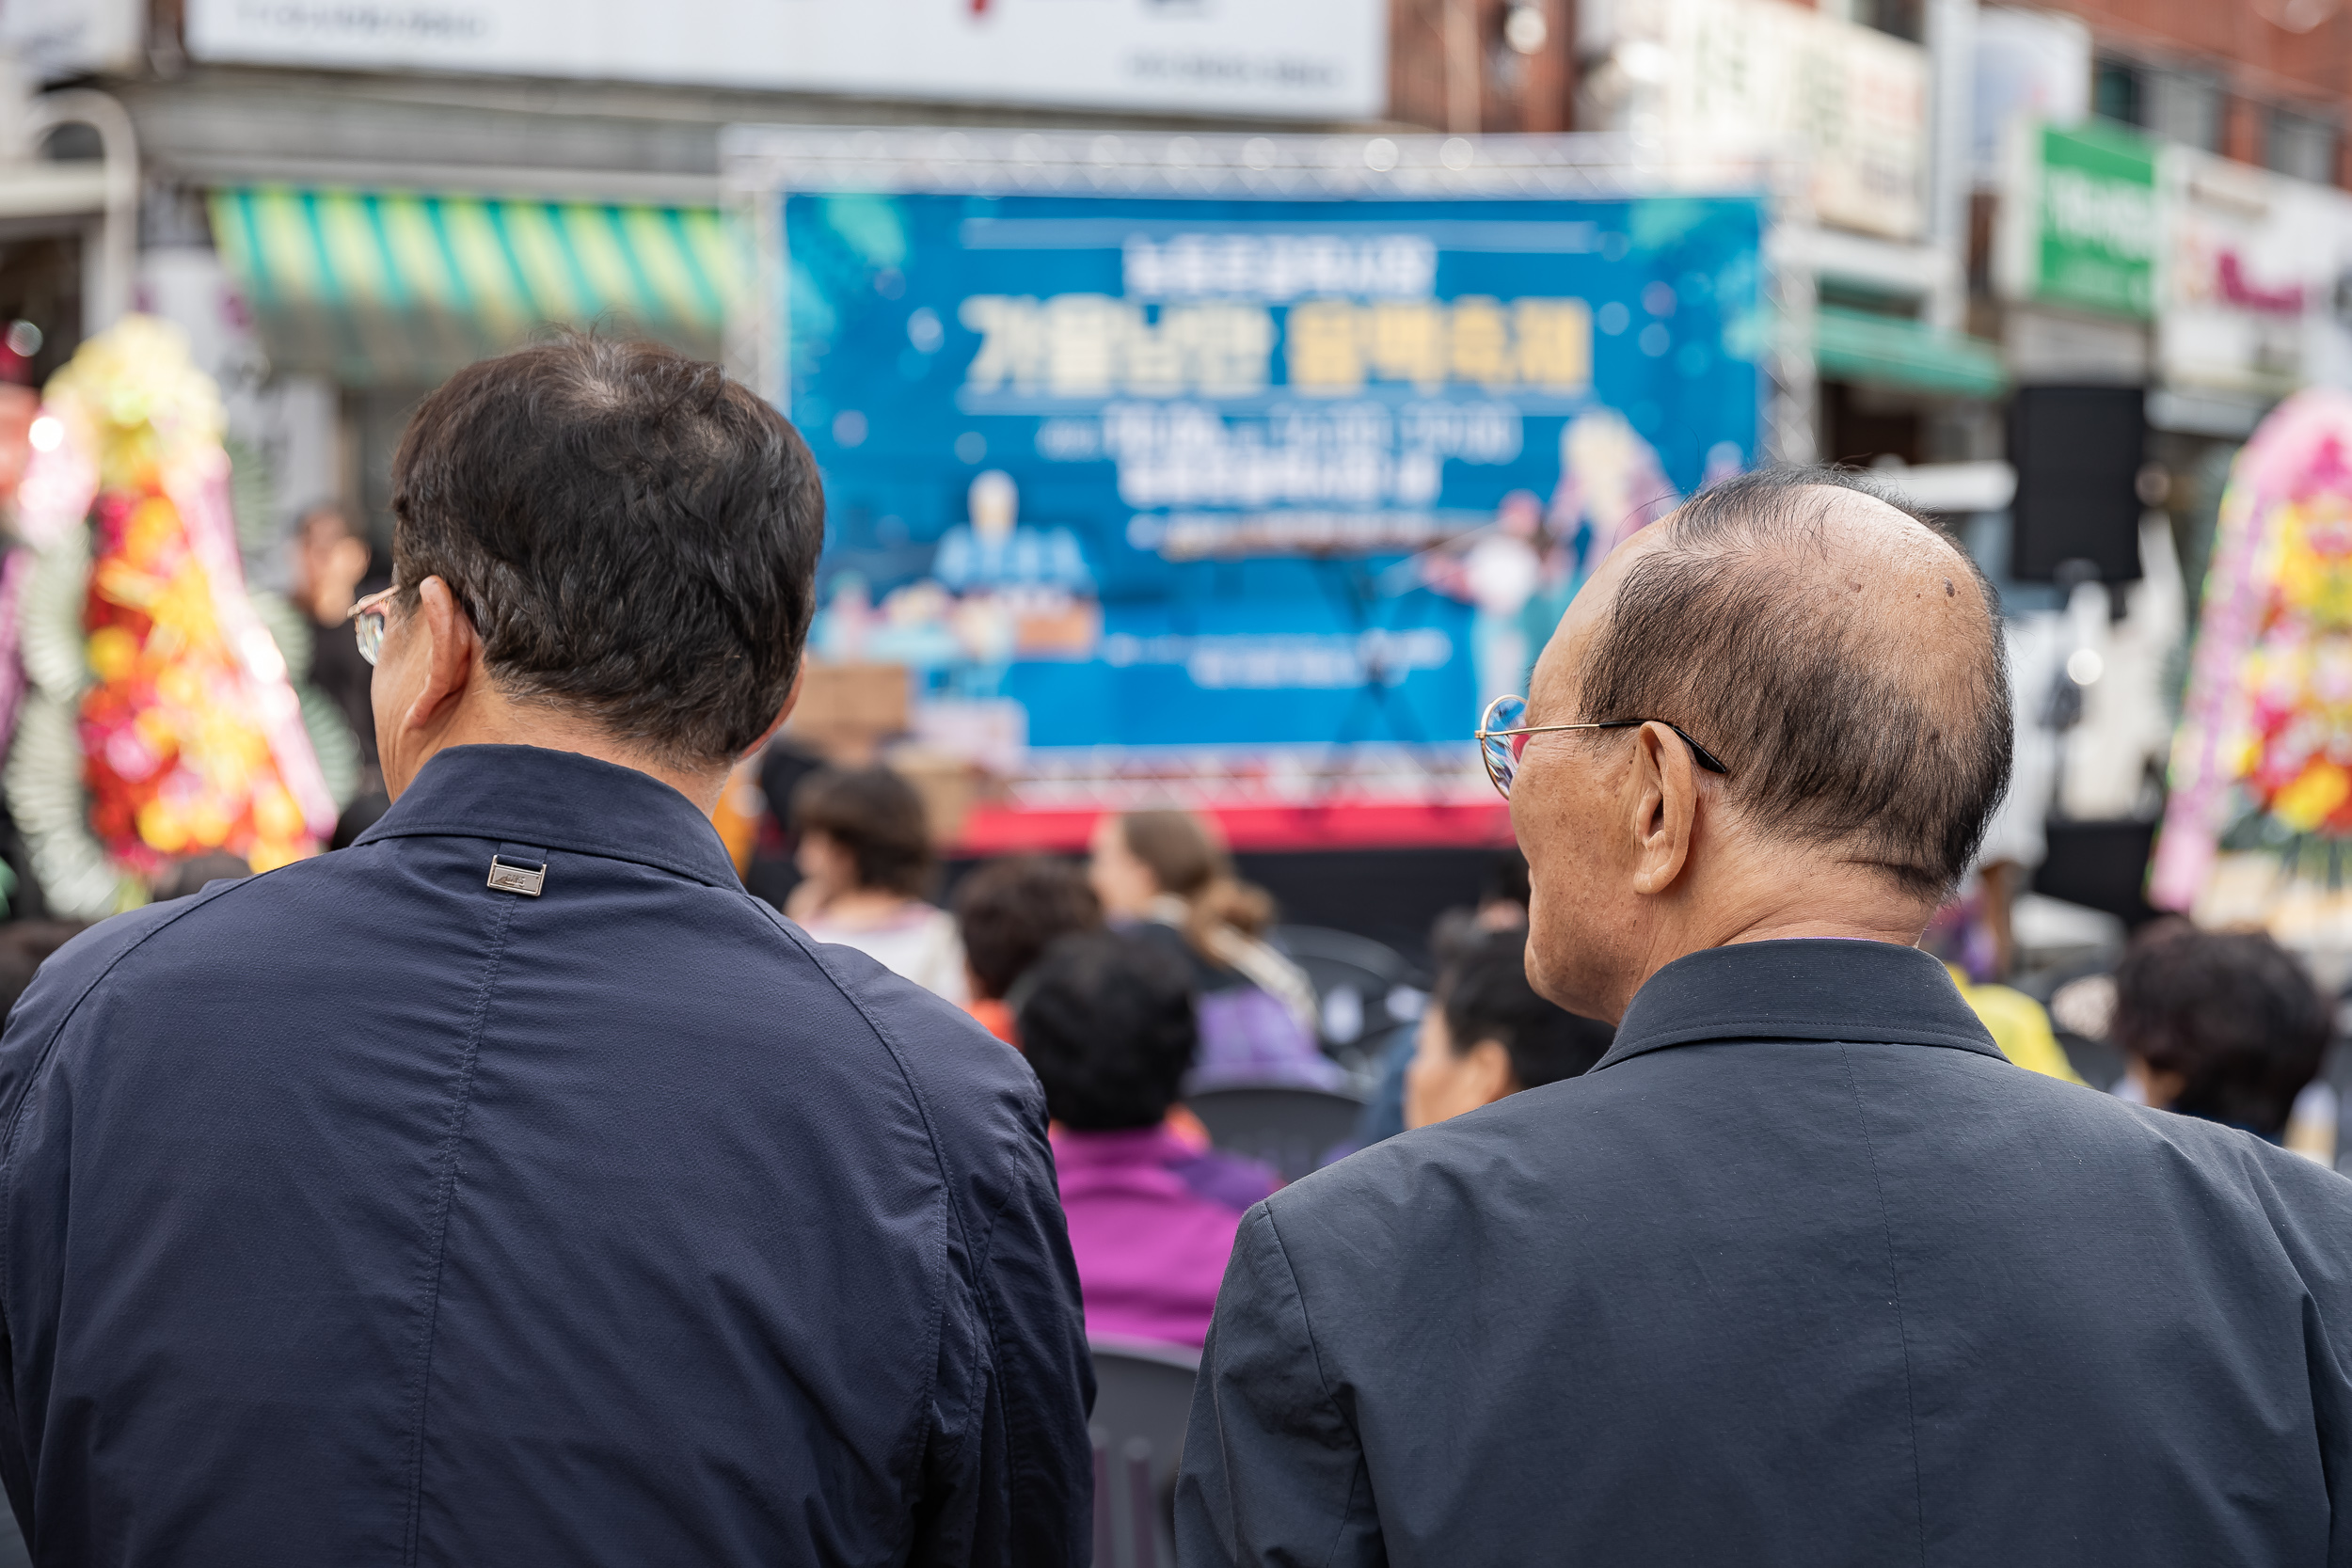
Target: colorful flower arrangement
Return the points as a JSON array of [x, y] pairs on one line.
[[186, 736], [176, 747], [2263, 762]]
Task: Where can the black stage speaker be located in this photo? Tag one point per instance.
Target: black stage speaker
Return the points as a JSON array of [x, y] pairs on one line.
[[2078, 452]]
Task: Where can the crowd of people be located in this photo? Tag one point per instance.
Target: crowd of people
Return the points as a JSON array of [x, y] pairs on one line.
[[514, 1185], [1142, 973]]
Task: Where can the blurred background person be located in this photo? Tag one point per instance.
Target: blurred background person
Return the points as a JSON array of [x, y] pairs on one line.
[[866, 861], [1107, 1021], [1163, 872], [331, 561], [1007, 912], [1501, 906], [1487, 1035], [2223, 1026]]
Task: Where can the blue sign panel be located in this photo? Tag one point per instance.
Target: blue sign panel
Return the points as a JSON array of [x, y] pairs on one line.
[[1210, 473]]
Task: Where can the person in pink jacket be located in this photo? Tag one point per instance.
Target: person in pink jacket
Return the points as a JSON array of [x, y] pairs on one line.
[[1107, 1020]]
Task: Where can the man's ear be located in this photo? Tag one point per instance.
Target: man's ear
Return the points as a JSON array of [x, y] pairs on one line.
[[791, 701], [452, 653], [1664, 806]]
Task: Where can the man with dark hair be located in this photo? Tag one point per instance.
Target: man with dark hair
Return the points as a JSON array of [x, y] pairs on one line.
[[511, 1186], [1106, 1018], [1487, 1035], [1007, 912], [2221, 1025], [1803, 1271]]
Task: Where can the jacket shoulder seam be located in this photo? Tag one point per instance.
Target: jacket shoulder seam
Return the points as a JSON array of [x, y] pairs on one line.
[[954, 1216]]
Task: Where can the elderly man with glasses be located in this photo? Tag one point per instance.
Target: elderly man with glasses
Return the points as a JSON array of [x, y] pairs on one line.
[[512, 1187], [1803, 1271]]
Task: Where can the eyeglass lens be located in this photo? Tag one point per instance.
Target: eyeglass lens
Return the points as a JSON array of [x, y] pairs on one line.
[[1501, 752], [368, 629]]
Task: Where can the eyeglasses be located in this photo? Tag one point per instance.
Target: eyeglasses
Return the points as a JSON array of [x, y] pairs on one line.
[[367, 622], [1501, 738]]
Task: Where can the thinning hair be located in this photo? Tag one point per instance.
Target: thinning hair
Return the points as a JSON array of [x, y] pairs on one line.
[[1843, 725]]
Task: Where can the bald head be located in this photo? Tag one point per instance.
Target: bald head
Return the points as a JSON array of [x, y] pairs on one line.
[[1837, 653]]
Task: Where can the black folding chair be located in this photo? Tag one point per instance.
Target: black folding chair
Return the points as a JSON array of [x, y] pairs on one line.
[[1362, 988], [1142, 1401], [1294, 1130]]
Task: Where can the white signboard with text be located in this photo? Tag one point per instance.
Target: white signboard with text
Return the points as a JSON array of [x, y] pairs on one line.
[[1315, 59], [57, 39], [1745, 72], [2246, 278]]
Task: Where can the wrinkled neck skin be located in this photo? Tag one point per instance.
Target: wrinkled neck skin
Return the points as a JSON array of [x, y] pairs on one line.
[[1746, 891]]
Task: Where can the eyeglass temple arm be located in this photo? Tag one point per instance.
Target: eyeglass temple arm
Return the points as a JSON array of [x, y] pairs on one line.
[[1699, 754]]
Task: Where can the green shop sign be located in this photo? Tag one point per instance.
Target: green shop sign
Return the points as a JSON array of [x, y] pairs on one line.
[[2080, 220]]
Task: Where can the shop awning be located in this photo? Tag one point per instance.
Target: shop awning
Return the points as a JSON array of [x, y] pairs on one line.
[[1891, 351], [400, 289]]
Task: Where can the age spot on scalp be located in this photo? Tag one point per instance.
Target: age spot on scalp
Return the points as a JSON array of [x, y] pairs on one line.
[[1948, 588]]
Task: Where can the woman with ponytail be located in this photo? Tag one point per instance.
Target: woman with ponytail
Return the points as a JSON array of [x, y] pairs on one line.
[[1165, 873]]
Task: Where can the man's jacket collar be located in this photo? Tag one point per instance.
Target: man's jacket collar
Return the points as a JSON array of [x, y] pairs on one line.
[[527, 795], [1811, 988]]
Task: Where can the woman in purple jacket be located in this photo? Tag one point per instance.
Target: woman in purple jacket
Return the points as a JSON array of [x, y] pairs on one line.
[[1107, 1020]]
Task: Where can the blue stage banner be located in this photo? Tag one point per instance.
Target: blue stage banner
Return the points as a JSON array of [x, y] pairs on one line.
[[1151, 472]]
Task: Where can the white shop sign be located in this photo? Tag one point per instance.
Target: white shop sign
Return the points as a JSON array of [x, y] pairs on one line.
[[1304, 58]]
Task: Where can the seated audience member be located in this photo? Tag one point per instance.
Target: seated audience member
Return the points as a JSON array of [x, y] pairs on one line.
[[865, 860], [1007, 912], [1970, 933], [1487, 1035], [1108, 1021], [1501, 906], [2018, 1024], [1163, 872], [193, 874], [2225, 1026]]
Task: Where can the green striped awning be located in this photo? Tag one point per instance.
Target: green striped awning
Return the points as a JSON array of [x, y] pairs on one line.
[[1889, 351], [399, 290]]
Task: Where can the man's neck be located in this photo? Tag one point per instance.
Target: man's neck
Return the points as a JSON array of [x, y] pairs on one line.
[[491, 719], [1842, 904]]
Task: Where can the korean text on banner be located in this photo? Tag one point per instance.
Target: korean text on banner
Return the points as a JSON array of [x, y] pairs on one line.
[[1128, 471]]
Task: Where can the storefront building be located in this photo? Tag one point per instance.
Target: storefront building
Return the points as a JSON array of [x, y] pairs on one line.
[[342, 205]]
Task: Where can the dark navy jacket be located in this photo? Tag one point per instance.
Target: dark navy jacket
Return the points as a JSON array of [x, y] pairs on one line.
[[362, 1212], [1803, 1273]]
